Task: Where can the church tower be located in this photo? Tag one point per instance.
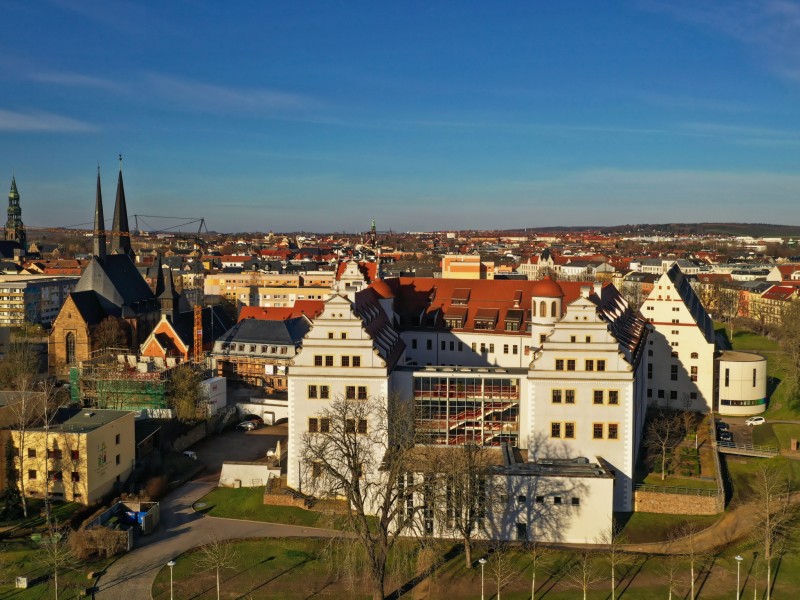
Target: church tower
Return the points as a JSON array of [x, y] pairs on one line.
[[120, 233], [99, 235], [15, 230]]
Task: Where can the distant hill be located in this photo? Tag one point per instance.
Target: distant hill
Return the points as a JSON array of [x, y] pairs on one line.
[[752, 229]]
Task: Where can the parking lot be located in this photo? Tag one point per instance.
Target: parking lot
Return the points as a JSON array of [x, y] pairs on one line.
[[237, 445]]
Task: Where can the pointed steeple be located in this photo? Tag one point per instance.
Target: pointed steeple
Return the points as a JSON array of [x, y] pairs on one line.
[[121, 239], [15, 229], [159, 272], [167, 296], [99, 237]]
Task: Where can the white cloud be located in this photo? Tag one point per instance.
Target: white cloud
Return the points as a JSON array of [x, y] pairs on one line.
[[41, 122], [76, 80]]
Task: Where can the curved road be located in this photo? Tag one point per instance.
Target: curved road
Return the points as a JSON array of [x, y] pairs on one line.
[[181, 529]]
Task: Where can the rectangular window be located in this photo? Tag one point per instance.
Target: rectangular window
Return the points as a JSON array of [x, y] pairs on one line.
[[514, 349], [330, 335], [429, 344], [324, 392], [345, 361], [727, 377], [590, 365], [31, 452], [613, 431], [491, 348], [673, 372], [362, 426], [444, 345], [76, 477], [576, 502], [505, 348], [754, 378], [362, 392], [598, 396], [569, 431], [317, 360], [312, 391], [559, 364], [649, 392], [555, 430], [597, 431], [613, 397], [483, 348], [542, 338], [673, 395], [117, 459], [588, 339], [31, 473], [572, 339], [649, 370], [116, 440], [349, 425], [75, 455], [344, 335], [569, 396], [452, 346], [324, 425], [601, 365], [556, 395], [328, 361], [556, 499], [460, 346], [539, 499], [316, 470], [660, 393], [413, 343], [350, 392], [356, 361], [693, 375]]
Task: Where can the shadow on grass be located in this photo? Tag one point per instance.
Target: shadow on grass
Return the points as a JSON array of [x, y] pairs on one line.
[[636, 568], [414, 582]]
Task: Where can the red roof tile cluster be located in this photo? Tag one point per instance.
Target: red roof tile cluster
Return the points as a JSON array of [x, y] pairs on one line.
[[310, 308], [777, 292], [368, 269], [475, 305]]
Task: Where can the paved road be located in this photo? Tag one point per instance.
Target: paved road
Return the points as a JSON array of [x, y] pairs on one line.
[[131, 577]]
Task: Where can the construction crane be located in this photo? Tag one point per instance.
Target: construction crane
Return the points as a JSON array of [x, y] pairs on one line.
[[198, 334], [186, 221]]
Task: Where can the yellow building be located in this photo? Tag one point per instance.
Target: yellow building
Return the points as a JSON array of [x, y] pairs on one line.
[[269, 289], [466, 266], [80, 459]]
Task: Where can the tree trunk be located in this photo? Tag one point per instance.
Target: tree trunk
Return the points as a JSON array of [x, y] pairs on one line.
[[533, 585], [769, 578], [692, 574], [613, 583], [55, 580], [217, 583], [468, 551], [663, 463]]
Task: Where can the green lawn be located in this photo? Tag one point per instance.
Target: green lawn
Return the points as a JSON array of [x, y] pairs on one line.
[[304, 568], [778, 435], [742, 473], [60, 511], [685, 482], [20, 558], [641, 527], [247, 503]]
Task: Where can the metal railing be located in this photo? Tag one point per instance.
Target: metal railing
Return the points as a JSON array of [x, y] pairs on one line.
[[684, 491], [748, 448]]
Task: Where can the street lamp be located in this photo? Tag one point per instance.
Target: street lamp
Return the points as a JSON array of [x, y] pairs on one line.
[[483, 564], [739, 560], [170, 564]]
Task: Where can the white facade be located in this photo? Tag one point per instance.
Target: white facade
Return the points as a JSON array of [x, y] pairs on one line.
[[742, 384], [681, 348], [581, 367]]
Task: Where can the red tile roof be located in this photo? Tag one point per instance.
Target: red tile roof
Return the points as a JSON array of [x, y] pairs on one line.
[[310, 308]]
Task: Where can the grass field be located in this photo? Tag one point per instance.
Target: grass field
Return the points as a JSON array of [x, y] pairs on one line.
[[247, 503], [778, 435], [643, 528]]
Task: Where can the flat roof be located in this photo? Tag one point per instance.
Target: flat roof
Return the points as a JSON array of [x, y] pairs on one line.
[[737, 356], [91, 419]]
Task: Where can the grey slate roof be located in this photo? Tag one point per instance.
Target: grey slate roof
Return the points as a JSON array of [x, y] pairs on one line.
[[261, 331], [692, 302]]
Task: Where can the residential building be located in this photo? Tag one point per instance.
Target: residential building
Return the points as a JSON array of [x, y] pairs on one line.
[[32, 298], [466, 266], [80, 459]]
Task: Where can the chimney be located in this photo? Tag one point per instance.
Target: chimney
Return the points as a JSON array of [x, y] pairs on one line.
[[598, 289]]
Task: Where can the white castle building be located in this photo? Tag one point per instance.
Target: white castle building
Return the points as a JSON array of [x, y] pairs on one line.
[[552, 374]]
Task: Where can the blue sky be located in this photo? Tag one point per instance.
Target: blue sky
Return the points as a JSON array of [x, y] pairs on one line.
[[423, 115]]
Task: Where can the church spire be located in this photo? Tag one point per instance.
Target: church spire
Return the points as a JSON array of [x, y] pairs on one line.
[[99, 237], [121, 238], [15, 230]]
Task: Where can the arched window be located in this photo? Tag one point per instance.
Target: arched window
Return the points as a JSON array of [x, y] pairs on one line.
[[69, 342], [553, 309], [533, 309], [542, 309]]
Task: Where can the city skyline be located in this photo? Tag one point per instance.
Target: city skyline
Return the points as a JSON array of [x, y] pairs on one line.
[[453, 116]]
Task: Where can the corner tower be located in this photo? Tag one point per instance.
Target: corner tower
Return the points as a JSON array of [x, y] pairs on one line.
[[15, 230]]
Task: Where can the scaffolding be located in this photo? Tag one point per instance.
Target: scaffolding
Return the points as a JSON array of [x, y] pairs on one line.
[[114, 379]]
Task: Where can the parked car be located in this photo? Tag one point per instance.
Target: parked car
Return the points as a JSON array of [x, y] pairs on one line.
[[722, 426], [254, 418], [724, 436], [247, 425], [755, 421], [190, 454]]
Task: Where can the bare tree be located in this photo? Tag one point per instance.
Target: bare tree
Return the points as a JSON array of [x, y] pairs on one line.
[[216, 555], [773, 513], [111, 332], [685, 537], [612, 540], [729, 306], [56, 554], [502, 568], [360, 453], [583, 572], [790, 341], [538, 555], [670, 567], [663, 433], [460, 500]]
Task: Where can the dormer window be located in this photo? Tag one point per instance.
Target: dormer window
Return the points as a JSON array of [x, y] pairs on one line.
[[460, 296], [486, 318]]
